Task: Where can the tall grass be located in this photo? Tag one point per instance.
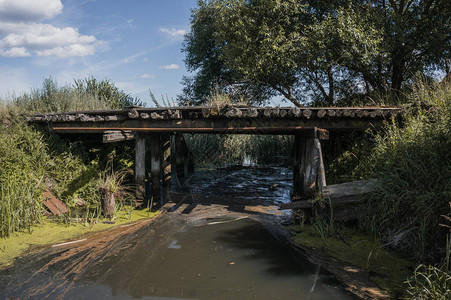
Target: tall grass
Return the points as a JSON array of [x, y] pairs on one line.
[[84, 94], [413, 161], [32, 160], [223, 150]]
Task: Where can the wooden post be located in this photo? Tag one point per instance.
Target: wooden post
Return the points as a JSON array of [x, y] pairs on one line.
[[321, 171], [140, 167], [180, 156], [166, 148], [309, 175], [310, 167], [155, 166], [296, 169]]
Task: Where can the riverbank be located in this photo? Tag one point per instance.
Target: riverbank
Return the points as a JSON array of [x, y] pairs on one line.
[[361, 263], [52, 232]]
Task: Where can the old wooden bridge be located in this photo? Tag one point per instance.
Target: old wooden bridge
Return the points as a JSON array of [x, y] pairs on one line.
[[164, 127]]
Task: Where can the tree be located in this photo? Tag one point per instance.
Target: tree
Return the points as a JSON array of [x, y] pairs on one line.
[[324, 49]]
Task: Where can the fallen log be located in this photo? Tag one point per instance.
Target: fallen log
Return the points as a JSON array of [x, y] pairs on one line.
[[338, 194]]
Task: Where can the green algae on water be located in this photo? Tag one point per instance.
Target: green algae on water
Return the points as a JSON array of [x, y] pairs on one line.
[[51, 232], [384, 267]]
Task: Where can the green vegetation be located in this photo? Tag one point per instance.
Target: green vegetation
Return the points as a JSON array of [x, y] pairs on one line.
[[320, 51], [32, 160], [413, 161], [226, 150], [360, 250]]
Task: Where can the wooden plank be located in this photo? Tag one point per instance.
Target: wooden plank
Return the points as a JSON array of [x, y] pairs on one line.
[[117, 136], [56, 206]]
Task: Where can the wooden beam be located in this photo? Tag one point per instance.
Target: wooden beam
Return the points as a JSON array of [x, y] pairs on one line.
[[155, 167], [180, 150], [166, 149], [140, 167], [112, 136], [320, 164]]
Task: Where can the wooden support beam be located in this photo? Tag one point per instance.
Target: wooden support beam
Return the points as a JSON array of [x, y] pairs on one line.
[[140, 167], [155, 167], [310, 167], [117, 136], [180, 156], [321, 170], [297, 163], [308, 174], [167, 167]]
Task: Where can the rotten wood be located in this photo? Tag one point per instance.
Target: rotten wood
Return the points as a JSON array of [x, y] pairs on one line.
[[53, 204]]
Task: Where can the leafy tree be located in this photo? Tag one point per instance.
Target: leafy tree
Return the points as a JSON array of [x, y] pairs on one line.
[[324, 49]]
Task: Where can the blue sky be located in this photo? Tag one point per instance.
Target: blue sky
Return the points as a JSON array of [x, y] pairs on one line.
[[136, 44]]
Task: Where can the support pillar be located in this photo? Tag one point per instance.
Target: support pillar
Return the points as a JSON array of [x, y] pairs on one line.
[[140, 167], [167, 167], [309, 175], [180, 149], [155, 167]]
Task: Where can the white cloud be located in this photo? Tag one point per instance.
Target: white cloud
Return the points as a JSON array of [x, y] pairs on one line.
[[173, 32], [21, 35], [169, 67], [29, 10], [145, 76], [15, 52]]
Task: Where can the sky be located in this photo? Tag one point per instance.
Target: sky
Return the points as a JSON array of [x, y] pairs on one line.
[[136, 44]]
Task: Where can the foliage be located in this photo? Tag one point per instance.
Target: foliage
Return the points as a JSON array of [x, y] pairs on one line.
[[84, 94], [235, 149], [32, 160], [23, 158], [413, 162], [328, 50], [429, 282]]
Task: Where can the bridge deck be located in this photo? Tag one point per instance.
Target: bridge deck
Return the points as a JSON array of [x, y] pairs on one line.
[[227, 119]]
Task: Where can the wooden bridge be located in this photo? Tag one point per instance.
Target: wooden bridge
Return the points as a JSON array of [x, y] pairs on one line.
[[164, 126]]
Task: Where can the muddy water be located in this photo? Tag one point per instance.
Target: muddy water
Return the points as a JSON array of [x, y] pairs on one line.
[[212, 245]]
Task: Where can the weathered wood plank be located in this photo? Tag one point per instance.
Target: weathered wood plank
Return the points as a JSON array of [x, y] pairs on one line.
[[351, 188], [56, 206], [118, 136]]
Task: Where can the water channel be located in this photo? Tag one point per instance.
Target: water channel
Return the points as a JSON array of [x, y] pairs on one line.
[[221, 241]]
